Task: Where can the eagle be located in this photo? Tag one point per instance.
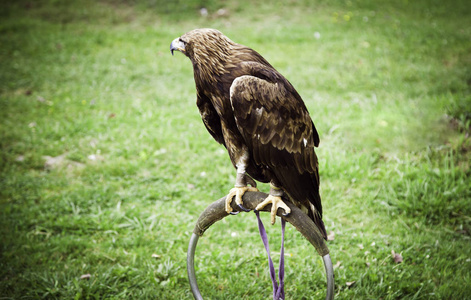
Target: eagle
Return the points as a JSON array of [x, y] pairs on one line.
[[259, 117]]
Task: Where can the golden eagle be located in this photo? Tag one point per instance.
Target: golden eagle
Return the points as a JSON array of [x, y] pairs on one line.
[[256, 113]]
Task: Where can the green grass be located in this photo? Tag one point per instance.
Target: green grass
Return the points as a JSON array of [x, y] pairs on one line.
[[388, 87]]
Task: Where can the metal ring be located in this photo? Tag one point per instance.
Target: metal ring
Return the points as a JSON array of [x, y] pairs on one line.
[[216, 211]]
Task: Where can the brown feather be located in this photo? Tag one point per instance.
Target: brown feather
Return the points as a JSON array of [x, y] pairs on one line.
[[246, 104]]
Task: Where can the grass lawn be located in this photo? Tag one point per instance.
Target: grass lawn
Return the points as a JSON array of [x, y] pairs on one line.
[[105, 164]]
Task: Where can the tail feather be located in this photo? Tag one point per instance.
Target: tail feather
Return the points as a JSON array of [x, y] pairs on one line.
[[303, 191], [317, 218], [320, 224]]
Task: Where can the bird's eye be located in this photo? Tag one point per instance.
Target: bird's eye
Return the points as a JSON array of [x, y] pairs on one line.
[[182, 41]]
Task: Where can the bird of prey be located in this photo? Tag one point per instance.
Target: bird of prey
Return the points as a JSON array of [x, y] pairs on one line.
[[255, 112]]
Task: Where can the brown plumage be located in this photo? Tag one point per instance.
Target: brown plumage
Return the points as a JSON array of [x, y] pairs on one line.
[[256, 113]]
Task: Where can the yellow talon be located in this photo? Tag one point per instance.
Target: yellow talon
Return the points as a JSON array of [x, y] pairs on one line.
[[238, 192], [276, 203]]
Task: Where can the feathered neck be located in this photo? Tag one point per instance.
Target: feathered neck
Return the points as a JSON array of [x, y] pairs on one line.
[[209, 55]]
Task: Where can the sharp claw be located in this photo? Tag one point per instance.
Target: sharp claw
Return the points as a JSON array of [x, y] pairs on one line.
[[285, 214], [236, 194], [234, 213], [243, 208]]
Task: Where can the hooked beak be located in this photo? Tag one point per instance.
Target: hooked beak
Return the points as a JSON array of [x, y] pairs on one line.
[[177, 44]]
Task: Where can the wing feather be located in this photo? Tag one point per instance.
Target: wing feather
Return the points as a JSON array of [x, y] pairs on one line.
[[278, 130], [210, 117]]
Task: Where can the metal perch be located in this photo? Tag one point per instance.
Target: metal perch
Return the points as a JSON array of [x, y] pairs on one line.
[[297, 218]]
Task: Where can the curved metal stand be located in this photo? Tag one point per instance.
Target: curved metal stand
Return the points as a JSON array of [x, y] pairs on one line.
[[297, 218]]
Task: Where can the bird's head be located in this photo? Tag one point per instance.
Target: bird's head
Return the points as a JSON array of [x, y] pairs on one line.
[[203, 44]]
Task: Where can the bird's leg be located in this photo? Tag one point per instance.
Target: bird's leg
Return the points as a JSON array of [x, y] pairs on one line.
[[274, 198], [240, 188]]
